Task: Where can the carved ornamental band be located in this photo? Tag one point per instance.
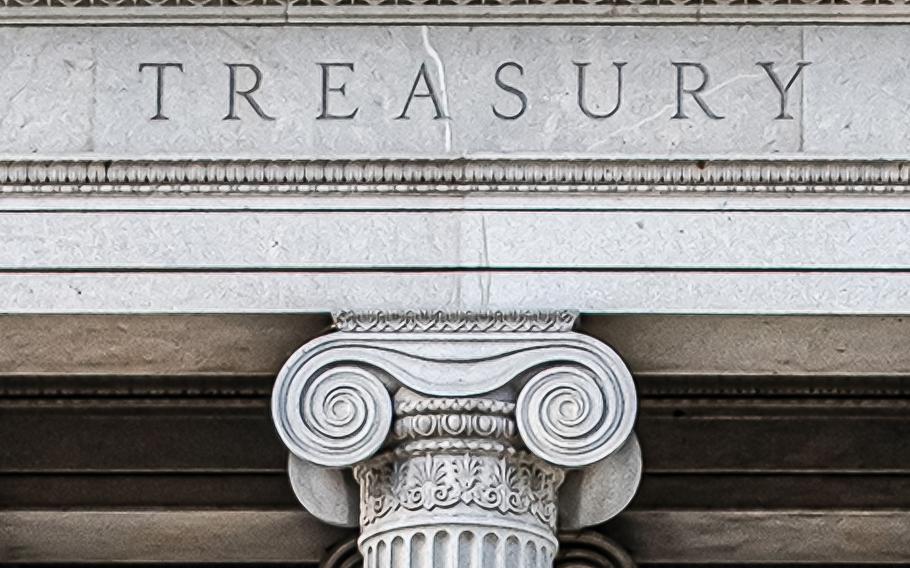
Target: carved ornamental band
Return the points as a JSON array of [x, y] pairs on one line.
[[458, 440]]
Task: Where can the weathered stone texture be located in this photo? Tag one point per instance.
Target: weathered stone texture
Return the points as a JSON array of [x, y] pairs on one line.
[[78, 91]]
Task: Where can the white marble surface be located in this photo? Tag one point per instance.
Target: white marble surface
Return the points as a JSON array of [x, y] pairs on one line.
[[78, 91], [47, 95], [859, 101], [182, 258], [395, 240], [672, 292]]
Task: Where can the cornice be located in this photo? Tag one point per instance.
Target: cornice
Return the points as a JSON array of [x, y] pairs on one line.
[[455, 176], [220, 12]]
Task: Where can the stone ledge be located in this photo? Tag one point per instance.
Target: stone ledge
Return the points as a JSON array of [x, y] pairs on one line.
[[241, 12], [269, 536]]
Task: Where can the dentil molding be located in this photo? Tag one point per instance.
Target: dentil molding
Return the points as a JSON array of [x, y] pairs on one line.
[[457, 435]]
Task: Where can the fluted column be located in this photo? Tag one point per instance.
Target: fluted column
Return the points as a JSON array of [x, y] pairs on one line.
[[458, 440]]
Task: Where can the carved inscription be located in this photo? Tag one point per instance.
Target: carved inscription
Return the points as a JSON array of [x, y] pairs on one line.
[[244, 82], [160, 68]]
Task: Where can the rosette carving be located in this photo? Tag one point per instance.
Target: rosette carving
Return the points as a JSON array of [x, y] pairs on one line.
[[572, 416], [337, 418]]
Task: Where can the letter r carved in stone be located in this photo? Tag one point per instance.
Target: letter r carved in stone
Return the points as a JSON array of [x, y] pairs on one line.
[[470, 436]]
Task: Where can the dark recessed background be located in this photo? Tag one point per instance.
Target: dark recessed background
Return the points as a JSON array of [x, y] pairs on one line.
[[766, 440]]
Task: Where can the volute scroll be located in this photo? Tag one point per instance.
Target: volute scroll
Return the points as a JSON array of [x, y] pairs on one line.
[[455, 436], [335, 417]]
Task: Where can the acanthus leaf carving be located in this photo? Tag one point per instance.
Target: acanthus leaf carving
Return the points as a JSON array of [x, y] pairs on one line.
[[511, 483]]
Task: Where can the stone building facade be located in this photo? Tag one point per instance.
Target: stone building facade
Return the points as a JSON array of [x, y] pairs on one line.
[[455, 284]]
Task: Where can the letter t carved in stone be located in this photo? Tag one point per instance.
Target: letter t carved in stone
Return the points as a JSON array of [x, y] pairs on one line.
[[459, 440]]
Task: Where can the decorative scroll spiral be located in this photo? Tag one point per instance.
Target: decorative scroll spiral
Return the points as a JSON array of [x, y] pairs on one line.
[[572, 417], [338, 418]]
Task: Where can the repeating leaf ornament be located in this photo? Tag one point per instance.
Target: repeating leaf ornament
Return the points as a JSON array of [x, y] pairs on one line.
[[512, 484]]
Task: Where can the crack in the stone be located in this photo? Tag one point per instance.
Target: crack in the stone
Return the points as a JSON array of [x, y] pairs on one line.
[[441, 73], [664, 111]]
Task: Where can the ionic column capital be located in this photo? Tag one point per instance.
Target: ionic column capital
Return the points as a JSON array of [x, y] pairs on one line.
[[460, 429]]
